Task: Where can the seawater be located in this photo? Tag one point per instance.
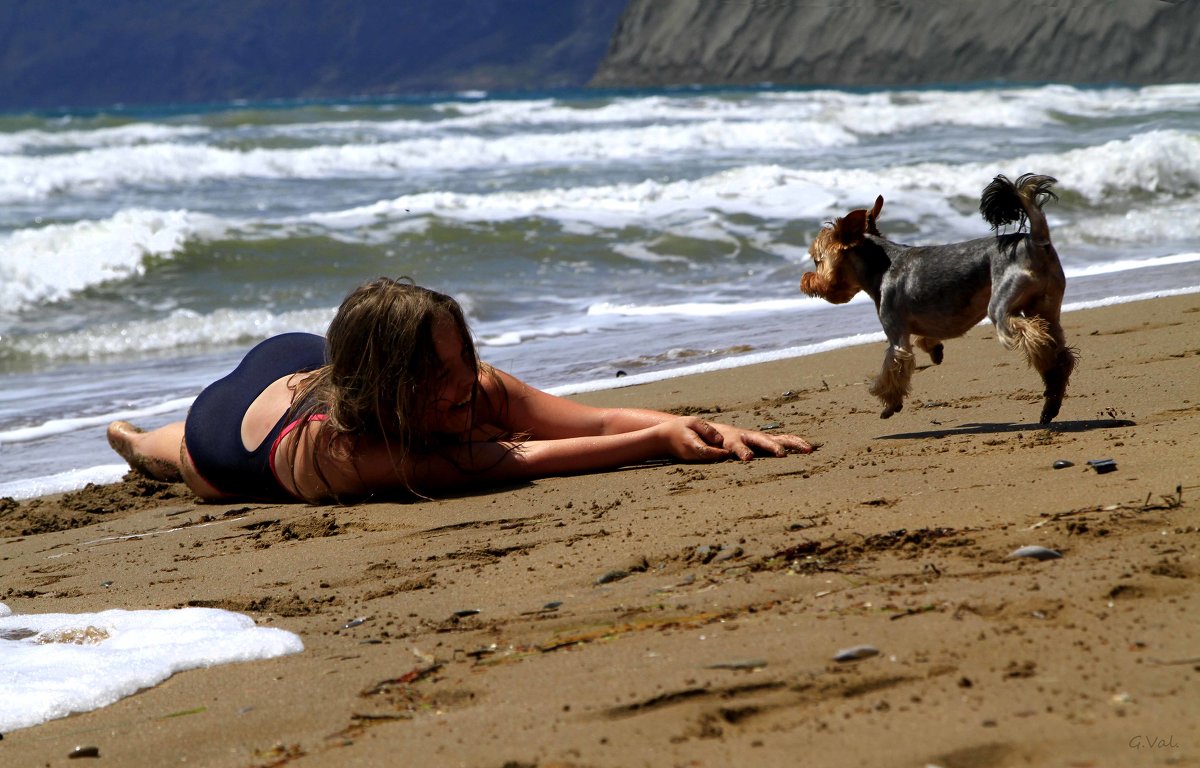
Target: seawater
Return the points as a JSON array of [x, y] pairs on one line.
[[586, 233]]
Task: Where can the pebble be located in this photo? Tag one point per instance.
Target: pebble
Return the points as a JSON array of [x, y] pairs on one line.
[[464, 613], [1063, 464], [718, 554], [611, 576], [354, 622], [854, 653], [1037, 553], [553, 605], [1102, 465], [84, 752], [727, 552]]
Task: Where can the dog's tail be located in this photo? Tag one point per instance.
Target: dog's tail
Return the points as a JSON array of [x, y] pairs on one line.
[[1004, 202]]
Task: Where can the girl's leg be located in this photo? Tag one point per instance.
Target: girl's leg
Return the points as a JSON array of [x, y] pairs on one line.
[[154, 453]]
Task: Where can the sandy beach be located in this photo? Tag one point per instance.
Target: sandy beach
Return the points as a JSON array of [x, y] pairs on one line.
[[689, 615]]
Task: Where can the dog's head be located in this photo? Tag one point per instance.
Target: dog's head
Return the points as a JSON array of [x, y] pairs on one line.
[[834, 280]]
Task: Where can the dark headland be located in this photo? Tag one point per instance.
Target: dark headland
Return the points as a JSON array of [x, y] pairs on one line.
[[865, 43]]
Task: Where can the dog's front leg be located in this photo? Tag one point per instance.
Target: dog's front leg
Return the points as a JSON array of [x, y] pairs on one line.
[[892, 383]]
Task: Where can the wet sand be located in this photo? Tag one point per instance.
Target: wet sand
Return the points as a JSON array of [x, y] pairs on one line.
[[690, 614]]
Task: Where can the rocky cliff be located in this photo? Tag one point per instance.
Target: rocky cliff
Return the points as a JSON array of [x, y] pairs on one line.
[[916, 42]]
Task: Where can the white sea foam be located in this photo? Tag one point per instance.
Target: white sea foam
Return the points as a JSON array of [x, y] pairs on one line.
[[50, 263], [62, 482], [1158, 162], [862, 113], [82, 662], [96, 171], [551, 132]]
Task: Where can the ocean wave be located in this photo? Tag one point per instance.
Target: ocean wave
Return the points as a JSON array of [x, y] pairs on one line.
[[869, 113], [1165, 162], [181, 329], [50, 263], [96, 171], [552, 133], [40, 140]]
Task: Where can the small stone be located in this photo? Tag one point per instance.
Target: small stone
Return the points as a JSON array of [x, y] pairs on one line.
[[854, 653], [1063, 464], [1102, 466], [611, 576], [1035, 552], [727, 552], [84, 752], [464, 613]]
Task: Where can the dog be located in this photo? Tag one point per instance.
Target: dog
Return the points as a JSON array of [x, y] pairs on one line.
[[925, 294]]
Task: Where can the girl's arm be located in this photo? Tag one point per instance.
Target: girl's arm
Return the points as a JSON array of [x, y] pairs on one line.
[[362, 467], [541, 415], [558, 437]]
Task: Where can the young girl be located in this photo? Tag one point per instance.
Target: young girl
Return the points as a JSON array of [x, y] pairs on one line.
[[394, 400]]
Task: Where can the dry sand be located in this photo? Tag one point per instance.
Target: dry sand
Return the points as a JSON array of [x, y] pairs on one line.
[[740, 583]]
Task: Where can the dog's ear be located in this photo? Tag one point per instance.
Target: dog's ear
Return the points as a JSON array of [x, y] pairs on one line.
[[849, 229], [873, 216]]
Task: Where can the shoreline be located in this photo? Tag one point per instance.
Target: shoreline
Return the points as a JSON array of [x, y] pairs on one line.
[[740, 583], [73, 480]]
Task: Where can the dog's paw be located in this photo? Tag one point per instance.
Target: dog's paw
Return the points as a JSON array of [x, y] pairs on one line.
[[937, 354], [889, 411]]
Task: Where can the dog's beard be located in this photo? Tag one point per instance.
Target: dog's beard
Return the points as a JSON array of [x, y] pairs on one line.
[[814, 285]]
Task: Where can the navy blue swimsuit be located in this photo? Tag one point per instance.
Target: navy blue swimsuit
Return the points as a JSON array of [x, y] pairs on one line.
[[213, 431]]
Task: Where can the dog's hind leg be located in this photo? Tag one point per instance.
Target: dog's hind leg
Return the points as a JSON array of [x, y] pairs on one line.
[[1050, 356], [931, 346], [892, 383], [1028, 320], [1057, 375]]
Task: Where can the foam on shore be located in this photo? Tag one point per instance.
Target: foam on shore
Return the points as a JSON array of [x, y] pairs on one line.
[[56, 664]]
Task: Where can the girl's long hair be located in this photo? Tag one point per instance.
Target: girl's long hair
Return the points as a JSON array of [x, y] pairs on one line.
[[381, 375]]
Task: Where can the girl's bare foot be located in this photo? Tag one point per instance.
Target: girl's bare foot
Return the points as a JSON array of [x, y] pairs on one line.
[[123, 437]]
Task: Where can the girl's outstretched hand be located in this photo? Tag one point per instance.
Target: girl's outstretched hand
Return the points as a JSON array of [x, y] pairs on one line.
[[747, 443], [692, 439]]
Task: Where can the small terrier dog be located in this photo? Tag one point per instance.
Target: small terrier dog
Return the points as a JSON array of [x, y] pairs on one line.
[[925, 294]]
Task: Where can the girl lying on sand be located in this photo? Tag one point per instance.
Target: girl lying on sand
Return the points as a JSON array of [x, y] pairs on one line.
[[394, 399]]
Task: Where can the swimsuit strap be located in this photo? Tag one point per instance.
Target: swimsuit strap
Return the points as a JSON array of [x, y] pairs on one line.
[[284, 433]]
